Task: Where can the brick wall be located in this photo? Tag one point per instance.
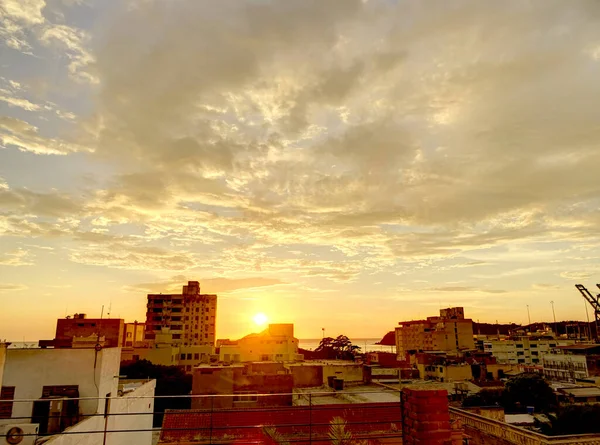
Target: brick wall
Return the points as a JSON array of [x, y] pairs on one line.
[[426, 420]]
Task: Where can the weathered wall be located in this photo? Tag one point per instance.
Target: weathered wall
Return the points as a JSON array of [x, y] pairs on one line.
[[29, 370], [425, 418], [350, 372], [307, 376], [91, 431]]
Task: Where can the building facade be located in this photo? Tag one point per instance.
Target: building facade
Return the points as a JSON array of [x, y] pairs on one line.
[[78, 331], [190, 316], [276, 343], [523, 349], [564, 368], [450, 332]]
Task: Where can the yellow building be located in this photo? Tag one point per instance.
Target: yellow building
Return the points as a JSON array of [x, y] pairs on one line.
[[162, 351], [276, 343], [450, 332], [445, 373]]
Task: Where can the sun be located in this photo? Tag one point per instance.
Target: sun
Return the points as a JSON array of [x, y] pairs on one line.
[[260, 319]]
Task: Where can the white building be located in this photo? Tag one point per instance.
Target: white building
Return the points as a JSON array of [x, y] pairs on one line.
[[63, 393], [522, 350], [565, 368], [276, 343]]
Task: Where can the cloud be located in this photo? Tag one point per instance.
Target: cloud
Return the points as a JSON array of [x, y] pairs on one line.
[[207, 285], [24, 136], [467, 289], [17, 257], [9, 287]]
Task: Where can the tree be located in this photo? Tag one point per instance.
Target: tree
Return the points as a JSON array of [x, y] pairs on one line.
[[337, 348], [577, 419], [170, 381], [528, 390]]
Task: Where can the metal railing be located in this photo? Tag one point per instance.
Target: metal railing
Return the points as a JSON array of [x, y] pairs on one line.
[[249, 418]]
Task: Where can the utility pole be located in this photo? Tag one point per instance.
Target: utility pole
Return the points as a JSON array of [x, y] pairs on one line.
[[323, 329], [587, 315], [529, 318], [554, 315]]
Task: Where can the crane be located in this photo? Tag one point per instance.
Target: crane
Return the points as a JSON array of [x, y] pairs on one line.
[[594, 301]]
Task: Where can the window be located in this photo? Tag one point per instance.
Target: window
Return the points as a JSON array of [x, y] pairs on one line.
[[196, 335], [533, 345], [196, 356], [136, 357], [264, 357], [189, 356], [6, 393], [553, 345], [181, 356], [519, 345], [521, 360], [176, 336], [534, 353], [207, 318], [520, 353]]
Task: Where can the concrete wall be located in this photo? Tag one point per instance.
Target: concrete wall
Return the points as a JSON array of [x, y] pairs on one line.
[[29, 370], [91, 431], [307, 376], [350, 372], [3, 347]]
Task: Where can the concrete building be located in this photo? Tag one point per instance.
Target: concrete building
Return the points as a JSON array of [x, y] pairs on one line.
[[78, 331], [73, 396], [190, 316], [450, 332], [238, 386], [564, 368], [133, 334], [276, 343], [526, 350], [162, 351]]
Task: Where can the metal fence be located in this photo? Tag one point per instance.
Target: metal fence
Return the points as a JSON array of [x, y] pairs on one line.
[[242, 418]]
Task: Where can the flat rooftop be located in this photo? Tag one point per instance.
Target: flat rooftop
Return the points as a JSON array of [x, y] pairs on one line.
[[324, 395]]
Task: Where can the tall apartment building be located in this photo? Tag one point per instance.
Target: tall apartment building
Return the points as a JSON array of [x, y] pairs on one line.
[[450, 332], [189, 316]]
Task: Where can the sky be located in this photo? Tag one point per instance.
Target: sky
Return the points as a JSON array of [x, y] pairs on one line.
[[339, 164]]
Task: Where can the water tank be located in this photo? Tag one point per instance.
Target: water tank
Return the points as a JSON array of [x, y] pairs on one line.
[[530, 410], [338, 384]]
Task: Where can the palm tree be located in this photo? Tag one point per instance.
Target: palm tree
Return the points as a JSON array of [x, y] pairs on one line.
[[339, 435]]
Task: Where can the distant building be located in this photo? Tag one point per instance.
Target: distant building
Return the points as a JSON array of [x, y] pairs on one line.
[[450, 332], [190, 316], [524, 350], [565, 368], [239, 385], [79, 330], [276, 343], [133, 334], [163, 351]]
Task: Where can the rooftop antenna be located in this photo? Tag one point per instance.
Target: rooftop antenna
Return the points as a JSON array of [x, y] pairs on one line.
[[554, 315], [529, 318], [109, 309]]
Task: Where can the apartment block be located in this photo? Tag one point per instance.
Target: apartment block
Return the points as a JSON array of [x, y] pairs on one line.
[[189, 316], [80, 331], [276, 343], [565, 368], [450, 332], [523, 349]]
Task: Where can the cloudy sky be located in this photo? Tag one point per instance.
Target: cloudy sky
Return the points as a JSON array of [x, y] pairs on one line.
[[343, 164]]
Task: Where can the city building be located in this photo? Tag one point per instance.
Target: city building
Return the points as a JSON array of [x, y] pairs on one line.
[[450, 332], [276, 343], [80, 331], [527, 350], [163, 351], [73, 396], [564, 367], [238, 385], [190, 316], [133, 334]]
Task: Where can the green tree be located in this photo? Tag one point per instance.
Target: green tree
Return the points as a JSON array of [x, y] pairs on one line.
[[170, 381], [338, 434], [337, 348], [528, 390]]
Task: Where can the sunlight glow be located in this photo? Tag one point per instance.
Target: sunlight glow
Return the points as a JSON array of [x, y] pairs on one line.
[[260, 319]]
